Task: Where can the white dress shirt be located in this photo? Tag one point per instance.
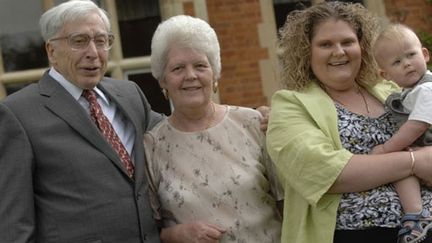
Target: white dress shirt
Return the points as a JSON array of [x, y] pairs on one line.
[[121, 124]]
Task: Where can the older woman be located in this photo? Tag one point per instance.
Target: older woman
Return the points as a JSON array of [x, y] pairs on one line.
[[211, 178], [324, 124]]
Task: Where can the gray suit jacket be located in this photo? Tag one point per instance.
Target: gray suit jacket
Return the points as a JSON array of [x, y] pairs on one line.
[[400, 114], [60, 181]]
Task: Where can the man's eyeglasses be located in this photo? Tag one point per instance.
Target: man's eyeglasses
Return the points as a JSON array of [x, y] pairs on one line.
[[82, 41]]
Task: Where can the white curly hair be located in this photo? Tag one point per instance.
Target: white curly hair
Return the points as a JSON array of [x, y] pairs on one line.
[[188, 32]]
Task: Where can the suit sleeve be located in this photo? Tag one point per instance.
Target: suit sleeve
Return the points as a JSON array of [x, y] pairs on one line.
[[17, 214], [152, 117]]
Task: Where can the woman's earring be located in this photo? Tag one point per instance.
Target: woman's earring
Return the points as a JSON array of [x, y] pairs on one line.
[[215, 87], [165, 93]]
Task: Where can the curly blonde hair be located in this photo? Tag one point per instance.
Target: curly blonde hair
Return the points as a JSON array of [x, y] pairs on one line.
[[294, 45]]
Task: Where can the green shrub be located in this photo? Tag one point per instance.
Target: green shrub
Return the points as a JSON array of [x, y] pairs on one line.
[[426, 39]]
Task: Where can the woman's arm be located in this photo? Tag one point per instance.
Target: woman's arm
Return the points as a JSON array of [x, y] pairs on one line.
[[364, 172], [303, 140], [306, 156]]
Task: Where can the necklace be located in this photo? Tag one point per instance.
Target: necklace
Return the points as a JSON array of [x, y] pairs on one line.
[[364, 99], [358, 92], [187, 126]]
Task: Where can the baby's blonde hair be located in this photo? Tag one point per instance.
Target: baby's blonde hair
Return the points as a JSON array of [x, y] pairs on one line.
[[394, 32]]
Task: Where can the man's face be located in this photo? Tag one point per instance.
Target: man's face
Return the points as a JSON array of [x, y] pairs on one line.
[[83, 67]]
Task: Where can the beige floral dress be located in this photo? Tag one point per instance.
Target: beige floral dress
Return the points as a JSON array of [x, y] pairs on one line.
[[221, 175]]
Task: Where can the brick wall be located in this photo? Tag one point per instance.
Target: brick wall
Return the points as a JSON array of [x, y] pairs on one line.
[[415, 13], [235, 22], [188, 8]]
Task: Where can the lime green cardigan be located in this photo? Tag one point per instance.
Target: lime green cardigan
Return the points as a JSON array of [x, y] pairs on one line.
[[303, 141]]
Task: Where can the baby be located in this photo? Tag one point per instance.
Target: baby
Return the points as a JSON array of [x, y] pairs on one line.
[[402, 59]]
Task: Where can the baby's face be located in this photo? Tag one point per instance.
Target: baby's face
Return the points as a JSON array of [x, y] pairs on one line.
[[403, 61]]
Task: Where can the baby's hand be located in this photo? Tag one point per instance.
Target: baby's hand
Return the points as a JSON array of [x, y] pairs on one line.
[[379, 149]]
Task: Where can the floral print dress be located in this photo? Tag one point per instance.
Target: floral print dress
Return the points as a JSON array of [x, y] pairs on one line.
[[220, 175], [379, 207]]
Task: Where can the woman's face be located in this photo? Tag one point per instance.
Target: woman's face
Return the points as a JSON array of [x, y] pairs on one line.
[[188, 77], [335, 54]]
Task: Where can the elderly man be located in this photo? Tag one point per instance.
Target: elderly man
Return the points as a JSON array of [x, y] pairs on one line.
[[71, 153]]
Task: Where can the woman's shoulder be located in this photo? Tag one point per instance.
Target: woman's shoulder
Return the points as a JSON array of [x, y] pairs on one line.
[[312, 97], [311, 91], [245, 117], [243, 112], [245, 121], [383, 89], [386, 86], [161, 126], [286, 93]]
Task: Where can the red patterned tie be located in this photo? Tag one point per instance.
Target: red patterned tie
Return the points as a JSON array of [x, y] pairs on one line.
[[108, 131]]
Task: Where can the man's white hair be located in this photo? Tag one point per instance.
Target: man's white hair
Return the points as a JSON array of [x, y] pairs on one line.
[[53, 20]]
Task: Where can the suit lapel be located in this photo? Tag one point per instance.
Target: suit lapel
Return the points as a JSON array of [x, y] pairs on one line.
[[61, 103], [122, 101], [123, 104]]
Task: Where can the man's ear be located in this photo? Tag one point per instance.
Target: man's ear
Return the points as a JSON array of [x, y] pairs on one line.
[[49, 48], [162, 83]]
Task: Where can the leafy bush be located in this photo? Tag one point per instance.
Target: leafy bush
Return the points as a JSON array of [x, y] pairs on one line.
[[426, 40]]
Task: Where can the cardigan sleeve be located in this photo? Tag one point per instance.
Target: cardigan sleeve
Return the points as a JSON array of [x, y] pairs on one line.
[[304, 143]]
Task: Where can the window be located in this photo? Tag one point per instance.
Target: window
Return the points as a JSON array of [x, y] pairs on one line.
[[137, 21], [283, 7], [24, 59], [151, 89], [21, 45]]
